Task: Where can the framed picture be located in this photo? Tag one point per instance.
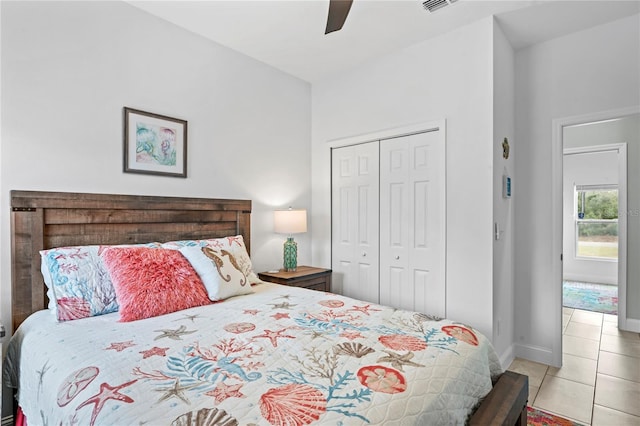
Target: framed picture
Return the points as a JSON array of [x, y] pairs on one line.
[[154, 144]]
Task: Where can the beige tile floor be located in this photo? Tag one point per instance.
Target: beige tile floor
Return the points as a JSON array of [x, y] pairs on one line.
[[599, 382]]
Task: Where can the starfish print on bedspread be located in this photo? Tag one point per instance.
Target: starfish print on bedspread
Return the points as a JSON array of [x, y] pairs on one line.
[[154, 351], [173, 334], [251, 311], [187, 317], [280, 315], [176, 391], [283, 305], [223, 391], [274, 335], [398, 360], [120, 346], [364, 309], [106, 393]]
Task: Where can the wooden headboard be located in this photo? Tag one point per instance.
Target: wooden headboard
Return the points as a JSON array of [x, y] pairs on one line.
[[42, 220]]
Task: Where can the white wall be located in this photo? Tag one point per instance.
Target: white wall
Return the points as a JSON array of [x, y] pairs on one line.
[[590, 71], [447, 77], [593, 168], [503, 126], [69, 68]]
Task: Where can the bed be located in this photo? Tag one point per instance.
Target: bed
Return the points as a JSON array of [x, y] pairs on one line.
[[270, 354]]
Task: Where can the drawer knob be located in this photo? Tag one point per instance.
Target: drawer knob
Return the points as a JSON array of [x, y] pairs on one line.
[[397, 257], [364, 254]]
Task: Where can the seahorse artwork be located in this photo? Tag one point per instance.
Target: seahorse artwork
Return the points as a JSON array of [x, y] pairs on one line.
[[220, 264]]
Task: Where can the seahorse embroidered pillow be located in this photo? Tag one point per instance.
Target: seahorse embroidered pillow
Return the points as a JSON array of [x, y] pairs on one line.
[[219, 271], [234, 245], [152, 282]]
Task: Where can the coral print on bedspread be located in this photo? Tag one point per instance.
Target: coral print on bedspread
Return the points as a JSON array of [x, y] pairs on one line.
[[280, 356]]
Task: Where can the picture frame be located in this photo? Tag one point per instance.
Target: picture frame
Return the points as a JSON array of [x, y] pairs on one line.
[[154, 144]]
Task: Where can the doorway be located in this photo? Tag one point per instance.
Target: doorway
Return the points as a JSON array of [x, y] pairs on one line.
[[627, 308], [591, 199]]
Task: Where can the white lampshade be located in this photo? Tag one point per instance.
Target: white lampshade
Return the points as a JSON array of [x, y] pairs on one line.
[[290, 221]]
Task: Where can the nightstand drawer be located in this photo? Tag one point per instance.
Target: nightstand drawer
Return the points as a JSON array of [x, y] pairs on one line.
[[305, 276], [318, 283]]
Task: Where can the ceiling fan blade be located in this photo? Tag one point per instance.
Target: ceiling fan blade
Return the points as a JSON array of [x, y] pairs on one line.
[[338, 11]]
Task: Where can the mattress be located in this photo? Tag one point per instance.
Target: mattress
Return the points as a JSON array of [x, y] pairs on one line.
[[280, 356]]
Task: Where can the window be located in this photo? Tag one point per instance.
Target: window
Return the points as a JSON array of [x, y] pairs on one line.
[[597, 221]]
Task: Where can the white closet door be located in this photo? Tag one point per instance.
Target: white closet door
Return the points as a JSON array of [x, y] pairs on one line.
[[412, 223], [354, 213]]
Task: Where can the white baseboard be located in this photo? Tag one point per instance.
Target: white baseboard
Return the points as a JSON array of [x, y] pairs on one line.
[[507, 357], [534, 353], [586, 278], [632, 325]]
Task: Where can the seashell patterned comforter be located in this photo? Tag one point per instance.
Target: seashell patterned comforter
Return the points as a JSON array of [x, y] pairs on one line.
[[280, 356]]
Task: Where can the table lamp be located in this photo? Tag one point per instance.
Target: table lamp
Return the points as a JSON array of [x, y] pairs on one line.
[[290, 222]]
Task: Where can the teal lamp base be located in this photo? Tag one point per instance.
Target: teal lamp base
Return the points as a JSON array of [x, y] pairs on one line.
[[290, 255]]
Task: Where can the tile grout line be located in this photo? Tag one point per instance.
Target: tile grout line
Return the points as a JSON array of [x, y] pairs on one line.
[[597, 359], [595, 382], [546, 375]]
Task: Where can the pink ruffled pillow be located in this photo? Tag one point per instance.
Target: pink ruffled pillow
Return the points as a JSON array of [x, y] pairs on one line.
[[152, 282]]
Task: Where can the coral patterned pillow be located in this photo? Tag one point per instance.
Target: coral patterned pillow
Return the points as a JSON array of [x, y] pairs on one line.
[[152, 282], [219, 271], [78, 285], [234, 245]]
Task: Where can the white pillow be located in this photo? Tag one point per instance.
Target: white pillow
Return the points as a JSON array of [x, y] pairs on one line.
[[219, 271], [233, 244]]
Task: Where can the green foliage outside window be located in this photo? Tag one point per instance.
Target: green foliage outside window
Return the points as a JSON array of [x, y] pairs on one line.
[[598, 204], [598, 226]]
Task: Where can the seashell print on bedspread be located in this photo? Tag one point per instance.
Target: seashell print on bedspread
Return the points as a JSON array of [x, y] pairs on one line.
[[281, 356]]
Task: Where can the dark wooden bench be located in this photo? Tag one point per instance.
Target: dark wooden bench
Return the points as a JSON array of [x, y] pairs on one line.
[[506, 404]]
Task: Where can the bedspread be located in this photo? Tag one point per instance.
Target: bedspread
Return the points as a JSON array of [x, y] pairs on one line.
[[280, 356]]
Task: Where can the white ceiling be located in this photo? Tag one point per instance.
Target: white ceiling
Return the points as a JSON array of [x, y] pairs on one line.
[[289, 34]]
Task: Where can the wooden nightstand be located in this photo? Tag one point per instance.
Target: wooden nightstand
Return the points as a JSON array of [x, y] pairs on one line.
[[306, 276]]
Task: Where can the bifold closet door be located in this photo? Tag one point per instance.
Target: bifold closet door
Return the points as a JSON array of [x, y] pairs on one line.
[[412, 223], [355, 225]]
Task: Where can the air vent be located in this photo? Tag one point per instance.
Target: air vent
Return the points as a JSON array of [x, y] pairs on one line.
[[433, 5]]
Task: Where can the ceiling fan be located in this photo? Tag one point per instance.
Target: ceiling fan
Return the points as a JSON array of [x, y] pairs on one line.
[[338, 11]]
